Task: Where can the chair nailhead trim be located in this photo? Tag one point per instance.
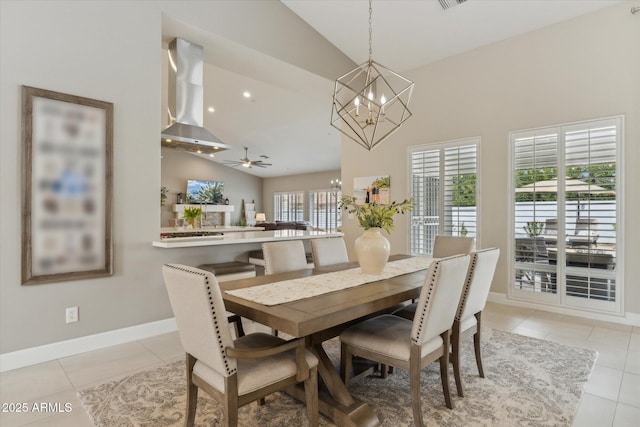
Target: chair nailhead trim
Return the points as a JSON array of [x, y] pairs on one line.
[[425, 309], [214, 316], [467, 286]]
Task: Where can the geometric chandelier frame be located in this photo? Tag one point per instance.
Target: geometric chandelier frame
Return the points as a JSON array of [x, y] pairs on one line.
[[370, 102]]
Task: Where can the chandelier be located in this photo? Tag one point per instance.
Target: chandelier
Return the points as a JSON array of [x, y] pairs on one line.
[[370, 102]]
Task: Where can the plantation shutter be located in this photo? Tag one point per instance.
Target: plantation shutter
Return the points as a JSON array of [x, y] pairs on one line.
[[288, 206], [444, 190], [324, 212], [565, 213]]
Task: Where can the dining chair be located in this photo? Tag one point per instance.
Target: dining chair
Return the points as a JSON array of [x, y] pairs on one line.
[[287, 255], [468, 318], [329, 251], [233, 372], [445, 246], [412, 345]]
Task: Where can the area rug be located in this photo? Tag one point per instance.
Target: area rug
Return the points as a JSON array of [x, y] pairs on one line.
[[529, 382]]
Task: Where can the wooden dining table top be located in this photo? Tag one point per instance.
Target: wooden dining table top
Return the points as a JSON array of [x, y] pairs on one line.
[[320, 313]]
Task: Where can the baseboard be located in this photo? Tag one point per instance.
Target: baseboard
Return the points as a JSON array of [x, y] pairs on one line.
[[632, 319], [44, 353]]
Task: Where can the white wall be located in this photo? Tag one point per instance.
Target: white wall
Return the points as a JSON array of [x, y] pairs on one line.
[[581, 69]]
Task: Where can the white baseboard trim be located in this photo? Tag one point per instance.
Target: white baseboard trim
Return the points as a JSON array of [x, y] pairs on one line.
[[632, 319], [44, 353]]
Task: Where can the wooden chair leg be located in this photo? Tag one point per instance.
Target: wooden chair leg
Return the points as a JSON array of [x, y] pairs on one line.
[[192, 393], [476, 344], [384, 369], [345, 364], [444, 370], [455, 356], [311, 396], [414, 385]]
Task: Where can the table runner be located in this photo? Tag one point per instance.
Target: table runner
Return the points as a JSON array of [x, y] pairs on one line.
[[306, 287]]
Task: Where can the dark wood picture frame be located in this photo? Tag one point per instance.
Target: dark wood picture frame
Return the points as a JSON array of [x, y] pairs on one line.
[[67, 187]]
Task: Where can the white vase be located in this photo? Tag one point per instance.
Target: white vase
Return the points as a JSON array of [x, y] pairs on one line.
[[372, 249]]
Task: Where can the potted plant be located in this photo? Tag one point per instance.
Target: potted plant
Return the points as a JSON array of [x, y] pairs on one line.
[[372, 248], [533, 228], [191, 214]]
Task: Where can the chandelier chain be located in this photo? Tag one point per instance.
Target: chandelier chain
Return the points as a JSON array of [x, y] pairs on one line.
[[370, 31]]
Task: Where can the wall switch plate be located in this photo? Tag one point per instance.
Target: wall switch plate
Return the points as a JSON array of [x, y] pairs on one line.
[[72, 314]]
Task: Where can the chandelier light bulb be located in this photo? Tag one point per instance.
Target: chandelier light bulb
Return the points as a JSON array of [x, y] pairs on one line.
[[357, 104]]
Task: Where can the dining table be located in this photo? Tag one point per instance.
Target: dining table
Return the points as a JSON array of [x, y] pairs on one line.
[[324, 315]]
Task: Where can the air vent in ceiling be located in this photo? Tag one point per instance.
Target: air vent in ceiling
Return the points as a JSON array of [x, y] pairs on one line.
[[447, 4]]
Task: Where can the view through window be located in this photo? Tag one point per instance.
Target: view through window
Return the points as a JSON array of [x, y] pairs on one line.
[[565, 213]]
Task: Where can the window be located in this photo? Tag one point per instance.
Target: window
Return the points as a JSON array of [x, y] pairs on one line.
[[288, 206], [565, 214], [324, 212], [444, 183]]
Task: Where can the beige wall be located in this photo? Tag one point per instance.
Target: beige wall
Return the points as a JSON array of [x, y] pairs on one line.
[[582, 69], [112, 51]]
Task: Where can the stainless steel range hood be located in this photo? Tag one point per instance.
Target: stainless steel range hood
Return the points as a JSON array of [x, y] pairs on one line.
[[186, 102]]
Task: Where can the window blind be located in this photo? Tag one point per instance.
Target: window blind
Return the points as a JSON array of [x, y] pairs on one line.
[[444, 191], [288, 206]]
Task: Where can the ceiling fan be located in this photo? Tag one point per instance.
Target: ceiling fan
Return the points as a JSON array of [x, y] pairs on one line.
[[246, 162]]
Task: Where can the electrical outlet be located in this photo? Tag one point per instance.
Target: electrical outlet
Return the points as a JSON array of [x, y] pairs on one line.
[[72, 314]]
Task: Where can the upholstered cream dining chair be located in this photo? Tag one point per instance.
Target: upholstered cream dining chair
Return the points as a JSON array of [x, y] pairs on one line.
[[233, 372], [287, 255], [444, 246], [329, 251], [412, 345], [469, 315]]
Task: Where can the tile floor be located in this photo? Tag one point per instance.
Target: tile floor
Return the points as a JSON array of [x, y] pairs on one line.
[[612, 396]]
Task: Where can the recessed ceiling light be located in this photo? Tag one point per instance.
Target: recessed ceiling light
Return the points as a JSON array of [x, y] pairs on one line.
[[211, 109], [246, 94], [211, 155]]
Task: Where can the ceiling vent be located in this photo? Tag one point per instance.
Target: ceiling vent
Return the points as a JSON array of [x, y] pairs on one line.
[[448, 4]]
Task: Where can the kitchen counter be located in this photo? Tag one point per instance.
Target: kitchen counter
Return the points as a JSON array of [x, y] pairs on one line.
[[234, 236], [219, 229]]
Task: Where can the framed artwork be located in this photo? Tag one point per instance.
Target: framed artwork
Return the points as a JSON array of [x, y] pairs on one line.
[[371, 189], [67, 187]]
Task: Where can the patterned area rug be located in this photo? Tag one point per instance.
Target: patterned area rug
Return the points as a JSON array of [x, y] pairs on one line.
[[529, 382]]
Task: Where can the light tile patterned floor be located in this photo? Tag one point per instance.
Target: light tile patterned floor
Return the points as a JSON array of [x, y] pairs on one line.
[[612, 397]]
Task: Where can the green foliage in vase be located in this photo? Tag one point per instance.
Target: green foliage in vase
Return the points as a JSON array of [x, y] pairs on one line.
[[463, 230], [191, 212], [375, 215]]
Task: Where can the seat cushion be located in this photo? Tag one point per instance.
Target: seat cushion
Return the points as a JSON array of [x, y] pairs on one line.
[[468, 322], [387, 335], [254, 374]]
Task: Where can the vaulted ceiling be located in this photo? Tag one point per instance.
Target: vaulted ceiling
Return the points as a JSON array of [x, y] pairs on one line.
[[287, 115]]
